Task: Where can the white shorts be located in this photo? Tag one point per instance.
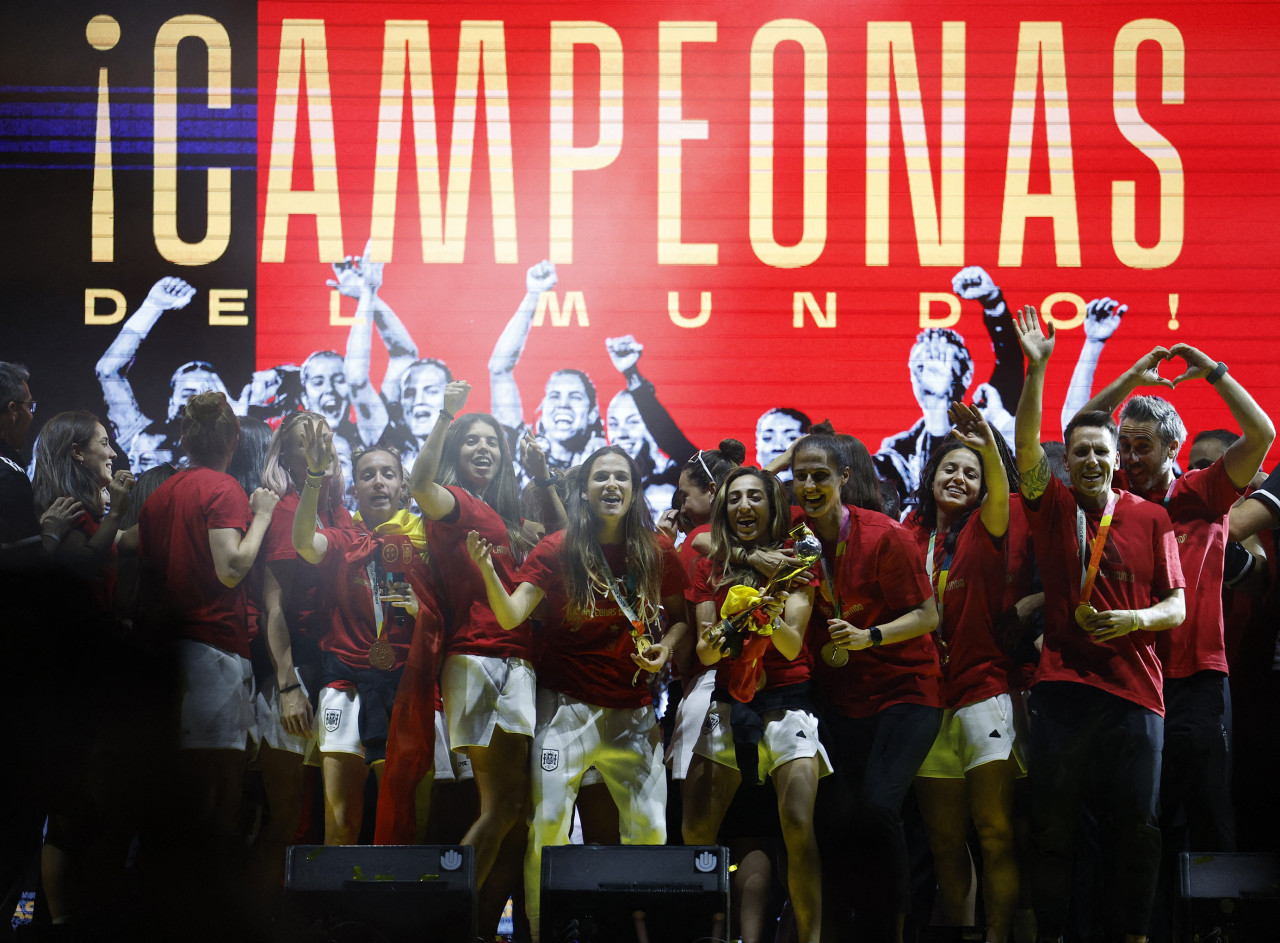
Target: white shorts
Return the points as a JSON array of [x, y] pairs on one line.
[[338, 722], [973, 735], [625, 746], [450, 766], [691, 712], [788, 735], [481, 693], [270, 727], [217, 698]]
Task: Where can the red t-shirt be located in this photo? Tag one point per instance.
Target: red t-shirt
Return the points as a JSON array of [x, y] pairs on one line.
[[103, 586], [971, 601], [688, 556], [778, 671], [350, 597], [173, 546], [1139, 562], [1198, 505], [879, 576], [591, 660], [302, 604], [471, 626], [1020, 581]]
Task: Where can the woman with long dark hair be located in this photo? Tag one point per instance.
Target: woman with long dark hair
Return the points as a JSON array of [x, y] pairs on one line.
[[877, 678], [762, 701], [198, 536], [602, 582], [74, 460], [961, 521], [464, 481], [376, 574]]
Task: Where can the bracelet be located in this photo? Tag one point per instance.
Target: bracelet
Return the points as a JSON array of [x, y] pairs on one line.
[[292, 687], [876, 636], [545, 482], [315, 474], [445, 412], [313, 482], [1217, 373]]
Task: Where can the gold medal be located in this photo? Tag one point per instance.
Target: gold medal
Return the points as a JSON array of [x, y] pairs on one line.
[[1084, 612], [381, 655], [835, 657], [642, 644]]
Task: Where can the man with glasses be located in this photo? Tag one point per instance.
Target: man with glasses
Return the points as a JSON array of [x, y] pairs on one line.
[[21, 532]]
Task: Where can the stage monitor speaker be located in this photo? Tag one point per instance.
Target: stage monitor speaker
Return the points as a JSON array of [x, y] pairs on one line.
[[1229, 898], [635, 894], [383, 893]]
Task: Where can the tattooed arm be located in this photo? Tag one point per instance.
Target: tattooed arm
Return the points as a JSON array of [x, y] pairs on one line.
[[1037, 344]]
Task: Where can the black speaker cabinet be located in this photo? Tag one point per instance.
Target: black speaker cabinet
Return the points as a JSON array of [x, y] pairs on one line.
[[634, 894], [384, 893], [1229, 898]]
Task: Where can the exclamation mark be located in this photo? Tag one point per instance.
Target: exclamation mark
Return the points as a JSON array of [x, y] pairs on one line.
[[1173, 311], [103, 32]]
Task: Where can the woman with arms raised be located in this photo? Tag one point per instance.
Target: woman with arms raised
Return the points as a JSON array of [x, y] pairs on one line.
[[601, 582], [464, 481], [962, 522], [375, 571]]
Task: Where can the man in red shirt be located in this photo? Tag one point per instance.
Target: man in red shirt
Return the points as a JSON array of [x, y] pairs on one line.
[[1112, 579], [1195, 771]]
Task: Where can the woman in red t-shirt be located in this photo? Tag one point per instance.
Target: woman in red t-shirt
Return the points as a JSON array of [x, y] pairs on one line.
[[73, 460], [294, 618], [751, 512], [877, 678], [464, 481], [962, 521], [198, 536], [375, 577], [604, 579]]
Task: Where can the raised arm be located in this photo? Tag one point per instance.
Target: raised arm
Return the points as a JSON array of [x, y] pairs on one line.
[[513, 608], [371, 410], [534, 461], [401, 349], [435, 500], [625, 353], [1144, 372], [309, 543], [113, 366], [1101, 318], [233, 554], [1037, 344], [504, 395], [1243, 457], [973, 431], [972, 282]]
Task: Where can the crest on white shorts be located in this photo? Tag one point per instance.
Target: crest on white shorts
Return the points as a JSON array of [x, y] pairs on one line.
[[550, 759], [332, 717]]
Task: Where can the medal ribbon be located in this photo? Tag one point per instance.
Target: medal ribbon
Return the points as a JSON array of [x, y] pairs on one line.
[[828, 581], [639, 631], [374, 571], [939, 589], [1089, 575]]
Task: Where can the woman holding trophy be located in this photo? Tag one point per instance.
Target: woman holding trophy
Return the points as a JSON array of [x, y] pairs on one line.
[[878, 683], [752, 631], [962, 521], [601, 583]]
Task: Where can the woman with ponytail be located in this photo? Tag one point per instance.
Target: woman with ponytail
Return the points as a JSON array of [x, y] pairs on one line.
[[198, 537]]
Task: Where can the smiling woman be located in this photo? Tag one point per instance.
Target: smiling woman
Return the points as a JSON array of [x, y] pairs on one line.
[[600, 583]]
